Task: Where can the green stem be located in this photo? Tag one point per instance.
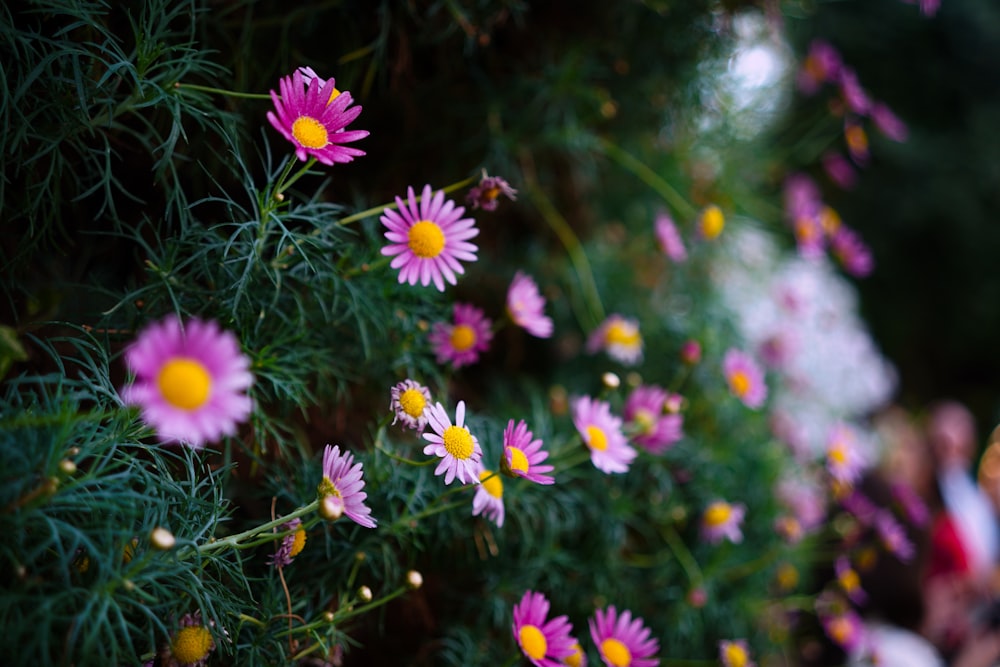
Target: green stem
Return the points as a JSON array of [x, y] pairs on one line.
[[368, 267], [302, 172], [354, 217], [682, 554], [430, 511], [221, 91], [234, 540], [649, 177], [341, 617], [251, 619]]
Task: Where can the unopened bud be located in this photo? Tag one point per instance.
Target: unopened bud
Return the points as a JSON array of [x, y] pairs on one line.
[[162, 539], [611, 381], [67, 467], [673, 404], [331, 507], [365, 594], [414, 579], [328, 616], [691, 352]]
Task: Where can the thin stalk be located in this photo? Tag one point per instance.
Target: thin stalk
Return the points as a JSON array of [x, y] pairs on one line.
[[221, 91], [649, 177], [235, 540]]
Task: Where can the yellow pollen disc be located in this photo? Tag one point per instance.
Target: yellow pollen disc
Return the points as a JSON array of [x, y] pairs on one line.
[[622, 334], [829, 219], [576, 658], [413, 402], [840, 630], [856, 138], [644, 418], [735, 656], [739, 383], [191, 644], [850, 581], [458, 442], [712, 222], [837, 454], [532, 642], [492, 483], [310, 132], [596, 439], [616, 653], [463, 337], [298, 542], [491, 194], [333, 96], [184, 383], [426, 240], [804, 230], [518, 461], [717, 514]]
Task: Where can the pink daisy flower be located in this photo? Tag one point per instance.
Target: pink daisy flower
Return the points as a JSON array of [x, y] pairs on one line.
[[691, 352], [462, 341], [291, 545], [343, 481], [735, 653], [721, 520], [623, 641], [844, 460], [845, 628], [619, 337], [575, 659], [546, 643], [426, 241], [313, 117], [191, 643], [190, 381], [809, 237], [602, 434], [523, 454], [745, 378], [822, 64], [408, 401], [848, 580], [487, 194], [857, 142], [458, 448], [669, 238], [488, 500], [526, 306], [653, 427]]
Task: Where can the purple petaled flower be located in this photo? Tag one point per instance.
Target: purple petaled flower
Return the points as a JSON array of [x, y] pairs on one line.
[[462, 341], [669, 238], [691, 352], [745, 378], [735, 653], [190, 381], [839, 169], [488, 500], [927, 7], [860, 507], [546, 643], [646, 412], [843, 455], [313, 117], [809, 237], [486, 195], [849, 580], [526, 306], [619, 337], [857, 142], [602, 434], [291, 545], [454, 443], [845, 628], [427, 239], [822, 64], [854, 95], [888, 123], [721, 520], [802, 197], [523, 454], [623, 641], [852, 253], [893, 536], [408, 401], [342, 479]]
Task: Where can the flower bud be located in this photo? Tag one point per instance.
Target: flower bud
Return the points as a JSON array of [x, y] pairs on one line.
[[365, 594], [414, 580], [611, 381], [331, 507], [691, 352], [162, 539], [67, 467]]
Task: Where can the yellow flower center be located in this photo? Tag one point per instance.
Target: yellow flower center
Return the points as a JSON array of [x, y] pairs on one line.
[[837, 453], [184, 383], [298, 542], [596, 439], [717, 514], [620, 333], [645, 419], [840, 630], [616, 653], [413, 402], [849, 580], [458, 442], [518, 461], [735, 656], [310, 132], [788, 577], [533, 642], [739, 383], [829, 219], [712, 222], [492, 483], [463, 337], [856, 138], [333, 95], [805, 230], [426, 239], [576, 658], [191, 644]]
